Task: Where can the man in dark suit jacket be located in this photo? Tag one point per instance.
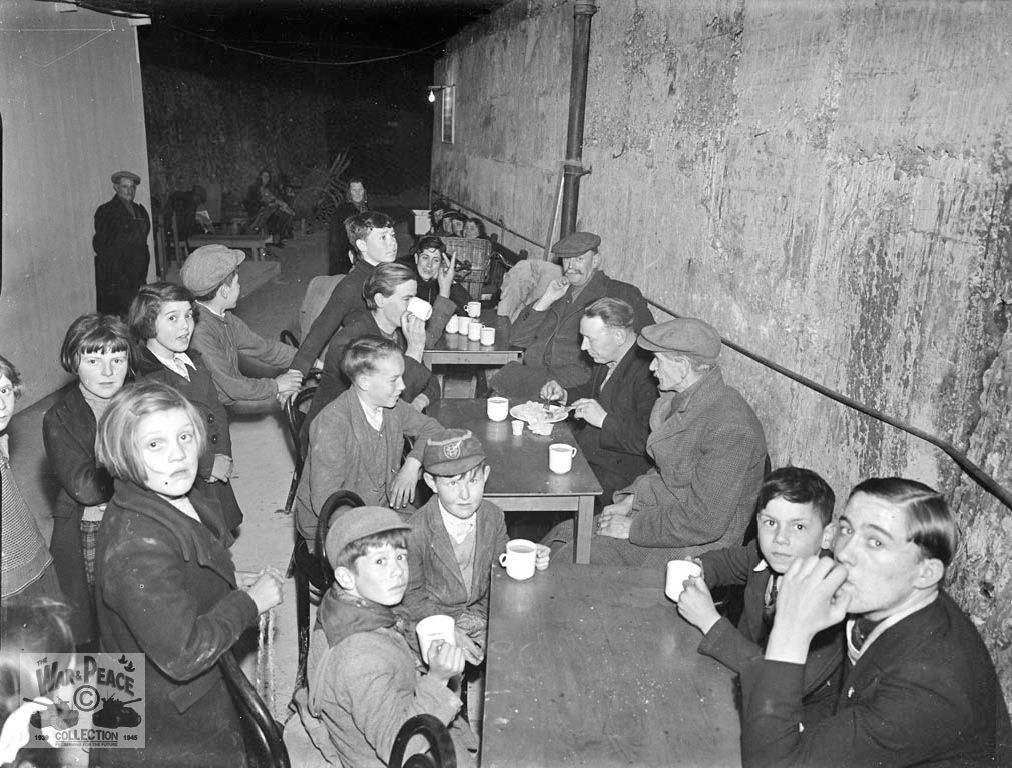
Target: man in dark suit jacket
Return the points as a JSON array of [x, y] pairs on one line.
[[614, 404], [121, 246], [549, 329], [919, 687]]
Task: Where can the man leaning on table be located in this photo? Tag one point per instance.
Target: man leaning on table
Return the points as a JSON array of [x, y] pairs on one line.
[[709, 452], [549, 329], [613, 407], [919, 687]]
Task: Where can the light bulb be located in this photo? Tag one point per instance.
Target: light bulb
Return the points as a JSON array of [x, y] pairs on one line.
[[432, 96]]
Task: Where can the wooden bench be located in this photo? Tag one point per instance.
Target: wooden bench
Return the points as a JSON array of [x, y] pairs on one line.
[[255, 243]]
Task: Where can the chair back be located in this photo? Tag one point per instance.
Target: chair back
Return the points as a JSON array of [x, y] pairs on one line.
[[440, 754], [336, 503], [295, 413], [473, 255], [262, 736]]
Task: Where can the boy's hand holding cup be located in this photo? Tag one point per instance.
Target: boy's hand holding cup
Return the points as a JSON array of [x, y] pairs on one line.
[[695, 604]]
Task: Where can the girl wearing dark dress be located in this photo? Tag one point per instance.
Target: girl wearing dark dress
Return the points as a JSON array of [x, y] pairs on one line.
[[97, 350], [165, 582], [161, 319]]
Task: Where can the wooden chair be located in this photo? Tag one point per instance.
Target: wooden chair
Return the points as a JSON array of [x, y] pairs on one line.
[[262, 735], [440, 754], [312, 572], [295, 415]]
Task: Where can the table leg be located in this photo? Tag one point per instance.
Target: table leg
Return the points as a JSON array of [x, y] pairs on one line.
[[583, 524]]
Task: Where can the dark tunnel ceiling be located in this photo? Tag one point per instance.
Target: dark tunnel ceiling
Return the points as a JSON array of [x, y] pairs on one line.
[[333, 29]]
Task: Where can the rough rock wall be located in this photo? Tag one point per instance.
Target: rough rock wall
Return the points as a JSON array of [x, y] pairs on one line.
[[829, 184]]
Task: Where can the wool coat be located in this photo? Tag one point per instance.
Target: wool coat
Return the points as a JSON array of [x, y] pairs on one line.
[[200, 391], [551, 339], [709, 455], [221, 340], [165, 587], [924, 693], [121, 253], [346, 453], [68, 432], [616, 451], [365, 682], [435, 583]]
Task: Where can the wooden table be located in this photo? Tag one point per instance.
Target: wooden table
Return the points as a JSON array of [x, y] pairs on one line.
[[592, 665], [520, 480], [457, 349], [254, 243]]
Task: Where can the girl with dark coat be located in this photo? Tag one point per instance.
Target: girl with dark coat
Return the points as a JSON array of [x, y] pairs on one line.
[[165, 583], [97, 350], [162, 319]]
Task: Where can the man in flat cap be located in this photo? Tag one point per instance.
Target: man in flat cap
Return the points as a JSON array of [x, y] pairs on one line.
[[709, 453], [121, 246], [549, 329]]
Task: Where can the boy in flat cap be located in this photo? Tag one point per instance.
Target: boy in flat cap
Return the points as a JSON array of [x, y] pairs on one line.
[[364, 679], [121, 246], [455, 538], [709, 452], [211, 274], [549, 329]]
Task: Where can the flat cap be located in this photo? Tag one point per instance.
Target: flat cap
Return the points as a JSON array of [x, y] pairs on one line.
[[207, 266], [682, 335], [357, 523], [126, 175], [576, 243], [452, 452]]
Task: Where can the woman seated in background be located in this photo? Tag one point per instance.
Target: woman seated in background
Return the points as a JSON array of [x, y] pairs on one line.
[[161, 319], [387, 292], [26, 567], [430, 258], [165, 583], [453, 224], [271, 214], [474, 229], [97, 350]]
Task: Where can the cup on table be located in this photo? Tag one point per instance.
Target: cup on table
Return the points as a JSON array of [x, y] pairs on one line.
[[497, 408], [518, 427], [473, 308], [420, 308], [463, 325], [519, 559], [678, 572], [474, 332], [431, 628], [487, 336], [451, 324], [560, 458]]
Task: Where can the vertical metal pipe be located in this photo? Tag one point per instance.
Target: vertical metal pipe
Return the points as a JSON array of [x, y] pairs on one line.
[[582, 12]]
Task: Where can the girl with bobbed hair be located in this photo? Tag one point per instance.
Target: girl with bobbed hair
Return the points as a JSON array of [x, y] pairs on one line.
[[162, 318], [165, 582], [97, 350], [386, 294]]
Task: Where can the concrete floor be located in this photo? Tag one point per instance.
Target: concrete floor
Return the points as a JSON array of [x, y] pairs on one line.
[[273, 292]]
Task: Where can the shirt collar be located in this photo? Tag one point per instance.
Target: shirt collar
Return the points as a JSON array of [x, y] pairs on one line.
[[212, 311], [761, 566], [854, 654]]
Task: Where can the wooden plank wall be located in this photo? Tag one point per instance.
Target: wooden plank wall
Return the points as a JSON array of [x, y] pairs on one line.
[[72, 111]]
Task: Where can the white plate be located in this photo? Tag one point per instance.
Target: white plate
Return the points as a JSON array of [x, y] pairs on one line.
[[554, 413]]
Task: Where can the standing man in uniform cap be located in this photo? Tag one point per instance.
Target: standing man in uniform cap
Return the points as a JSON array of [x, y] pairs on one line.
[[121, 246], [709, 452], [549, 329]]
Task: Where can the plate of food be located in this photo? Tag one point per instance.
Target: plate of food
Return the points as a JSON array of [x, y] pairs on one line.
[[532, 411]]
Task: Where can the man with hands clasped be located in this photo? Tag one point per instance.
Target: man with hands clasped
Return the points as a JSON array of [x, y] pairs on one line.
[[794, 521], [613, 406], [919, 687]]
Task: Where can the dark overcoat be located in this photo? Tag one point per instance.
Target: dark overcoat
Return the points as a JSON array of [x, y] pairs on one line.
[[121, 254], [165, 587]]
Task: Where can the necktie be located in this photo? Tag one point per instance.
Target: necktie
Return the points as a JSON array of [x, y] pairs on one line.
[[770, 606], [860, 630], [177, 361]]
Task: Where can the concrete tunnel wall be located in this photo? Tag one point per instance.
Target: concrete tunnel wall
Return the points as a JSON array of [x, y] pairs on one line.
[[829, 184]]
